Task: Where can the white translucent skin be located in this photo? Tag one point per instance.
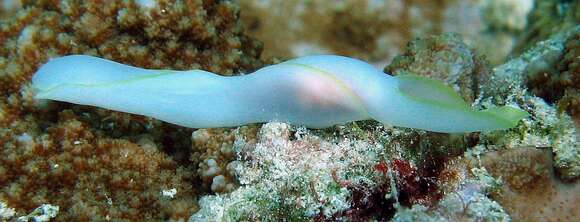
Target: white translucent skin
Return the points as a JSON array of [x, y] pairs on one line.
[[314, 91], [200, 99]]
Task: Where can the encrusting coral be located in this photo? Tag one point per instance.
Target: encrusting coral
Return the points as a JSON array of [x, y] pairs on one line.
[[94, 163], [531, 191], [89, 176], [214, 150]]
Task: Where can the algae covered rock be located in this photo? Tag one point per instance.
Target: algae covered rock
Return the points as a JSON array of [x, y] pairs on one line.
[[293, 176], [445, 57], [529, 184], [547, 127], [545, 19], [558, 81]]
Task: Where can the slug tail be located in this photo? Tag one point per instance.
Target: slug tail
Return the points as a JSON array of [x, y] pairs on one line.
[[505, 115], [431, 105], [430, 91]]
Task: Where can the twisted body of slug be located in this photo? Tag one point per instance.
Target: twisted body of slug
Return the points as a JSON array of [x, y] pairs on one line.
[[315, 91]]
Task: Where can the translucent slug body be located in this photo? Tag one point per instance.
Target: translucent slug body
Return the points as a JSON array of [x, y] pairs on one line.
[[314, 91]]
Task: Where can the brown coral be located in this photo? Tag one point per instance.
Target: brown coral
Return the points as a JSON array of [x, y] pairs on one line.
[[531, 191], [521, 180], [95, 163], [178, 36], [560, 82], [88, 176], [570, 72], [546, 18]]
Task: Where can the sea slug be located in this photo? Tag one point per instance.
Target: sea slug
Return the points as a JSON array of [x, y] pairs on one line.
[[314, 91]]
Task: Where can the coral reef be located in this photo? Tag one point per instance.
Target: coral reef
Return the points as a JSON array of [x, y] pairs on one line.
[[315, 27], [546, 129], [94, 163], [447, 58]]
